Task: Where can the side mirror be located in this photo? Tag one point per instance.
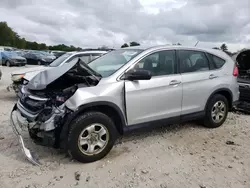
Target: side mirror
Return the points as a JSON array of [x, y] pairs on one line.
[[136, 74]]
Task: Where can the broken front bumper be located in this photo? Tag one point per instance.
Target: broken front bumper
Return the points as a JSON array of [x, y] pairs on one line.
[[16, 123], [14, 87]]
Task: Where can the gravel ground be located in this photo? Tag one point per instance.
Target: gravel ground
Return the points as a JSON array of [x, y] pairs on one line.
[[175, 156]]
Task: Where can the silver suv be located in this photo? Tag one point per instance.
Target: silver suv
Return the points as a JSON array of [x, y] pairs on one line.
[[84, 108]]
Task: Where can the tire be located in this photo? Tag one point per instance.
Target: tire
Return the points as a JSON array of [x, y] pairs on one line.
[[7, 64], [210, 121], [79, 126]]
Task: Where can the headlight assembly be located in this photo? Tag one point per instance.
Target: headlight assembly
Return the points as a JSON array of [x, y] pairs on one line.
[[17, 77]]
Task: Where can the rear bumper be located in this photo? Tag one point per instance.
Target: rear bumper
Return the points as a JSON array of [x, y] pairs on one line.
[[18, 130]]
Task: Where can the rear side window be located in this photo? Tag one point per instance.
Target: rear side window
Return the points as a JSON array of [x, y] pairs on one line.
[[218, 62], [192, 61]]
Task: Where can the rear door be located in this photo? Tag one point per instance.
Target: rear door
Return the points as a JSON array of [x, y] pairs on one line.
[[157, 98], [198, 80]]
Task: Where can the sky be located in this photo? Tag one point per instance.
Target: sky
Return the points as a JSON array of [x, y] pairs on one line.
[[92, 23]]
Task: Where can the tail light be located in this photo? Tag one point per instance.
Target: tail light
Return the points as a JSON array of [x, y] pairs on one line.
[[235, 71]]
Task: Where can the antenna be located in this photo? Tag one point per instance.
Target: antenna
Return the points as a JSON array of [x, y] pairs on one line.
[[196, 43]]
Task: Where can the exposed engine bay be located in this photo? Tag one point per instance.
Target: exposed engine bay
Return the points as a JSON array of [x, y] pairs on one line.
[[40, 106]]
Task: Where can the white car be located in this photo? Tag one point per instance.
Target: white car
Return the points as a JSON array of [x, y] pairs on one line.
[[28, 73]]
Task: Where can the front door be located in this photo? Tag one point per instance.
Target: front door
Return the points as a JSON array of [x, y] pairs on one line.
[[157, 98]]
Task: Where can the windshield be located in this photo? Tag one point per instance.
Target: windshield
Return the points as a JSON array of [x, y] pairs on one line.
[[10, 54], [39, 55], [59, 60], [112, 61], [19, 53]]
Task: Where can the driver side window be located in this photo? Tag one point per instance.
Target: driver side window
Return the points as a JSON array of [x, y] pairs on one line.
[[159, 63]]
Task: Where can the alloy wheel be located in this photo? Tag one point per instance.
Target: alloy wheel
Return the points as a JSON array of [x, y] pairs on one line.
[[93, 139], [218, 111]]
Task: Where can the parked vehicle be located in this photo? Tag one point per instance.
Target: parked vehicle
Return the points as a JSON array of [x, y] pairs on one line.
[[29, 73], [243, 61], [122, 91], [11, 58], [36, 58], [6, 48], [48, 55], [20, 52], [57, 53]]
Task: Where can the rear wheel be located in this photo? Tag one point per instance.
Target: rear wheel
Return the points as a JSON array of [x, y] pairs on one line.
[[91, 137], [216, 112]]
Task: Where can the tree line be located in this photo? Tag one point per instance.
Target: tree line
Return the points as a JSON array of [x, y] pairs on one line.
[[224, 48], [8, 37]]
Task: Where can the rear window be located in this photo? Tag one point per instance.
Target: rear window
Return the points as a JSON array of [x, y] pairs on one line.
[[217, 61]]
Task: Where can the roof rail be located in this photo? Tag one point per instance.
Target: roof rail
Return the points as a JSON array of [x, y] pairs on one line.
[[95, 49]]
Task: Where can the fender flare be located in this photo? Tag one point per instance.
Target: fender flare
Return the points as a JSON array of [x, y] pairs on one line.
[[220, 90]]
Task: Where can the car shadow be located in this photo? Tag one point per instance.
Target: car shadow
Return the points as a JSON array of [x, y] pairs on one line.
[[55, 157], [157, 131]]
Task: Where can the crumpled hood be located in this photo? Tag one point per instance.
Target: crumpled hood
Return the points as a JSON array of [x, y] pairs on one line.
[[29, 75], [31, 69], [46, 77]]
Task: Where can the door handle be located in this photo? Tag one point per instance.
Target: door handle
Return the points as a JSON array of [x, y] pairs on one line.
[[212, 76], [174, 82]]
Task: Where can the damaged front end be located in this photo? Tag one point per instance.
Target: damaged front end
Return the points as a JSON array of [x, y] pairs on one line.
[[17, 81], [41, 109]]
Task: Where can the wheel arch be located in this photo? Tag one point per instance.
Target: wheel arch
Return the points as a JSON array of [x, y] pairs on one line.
[[108, 108], [226, 93]]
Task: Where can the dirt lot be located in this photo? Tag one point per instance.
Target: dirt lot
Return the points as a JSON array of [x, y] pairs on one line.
[[176, 156]]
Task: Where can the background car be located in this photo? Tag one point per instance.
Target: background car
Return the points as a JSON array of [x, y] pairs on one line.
[[57, 53], [48, 55], [10, 58], [20, 52], [242, 59], [36, 58]]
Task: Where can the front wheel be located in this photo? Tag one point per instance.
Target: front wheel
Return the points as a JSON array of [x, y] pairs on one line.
[[91, 137], [216, 112]]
